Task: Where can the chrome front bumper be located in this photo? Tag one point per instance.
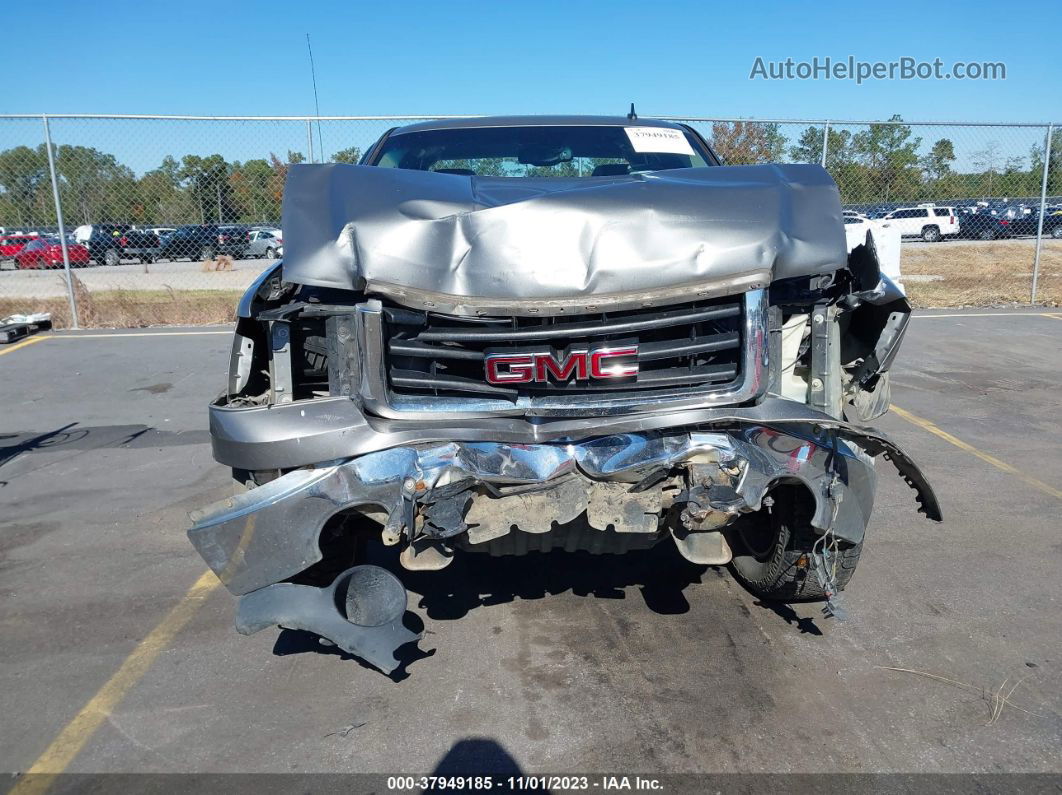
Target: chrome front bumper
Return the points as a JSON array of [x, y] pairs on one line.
[[270, 533]]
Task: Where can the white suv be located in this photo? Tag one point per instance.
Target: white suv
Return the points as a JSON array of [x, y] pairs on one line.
[[929, 222]]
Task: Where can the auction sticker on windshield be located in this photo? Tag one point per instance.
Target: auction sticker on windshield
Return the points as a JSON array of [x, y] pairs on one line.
[[658, 140]]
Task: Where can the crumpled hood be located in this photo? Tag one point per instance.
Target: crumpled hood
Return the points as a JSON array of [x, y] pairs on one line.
[[493, 244]]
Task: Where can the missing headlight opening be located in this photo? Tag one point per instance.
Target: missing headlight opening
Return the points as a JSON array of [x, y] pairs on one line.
[[509, 336]]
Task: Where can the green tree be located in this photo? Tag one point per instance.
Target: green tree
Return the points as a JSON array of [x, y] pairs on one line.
[[25, 180], [351, 155], [568, 168], [747, 142], [206, 179], [808, 148], [1016, 180], [1054, 173], [890, 154], [161, 199], [252, 190], [937, 164], [94, 186], [987, 161]]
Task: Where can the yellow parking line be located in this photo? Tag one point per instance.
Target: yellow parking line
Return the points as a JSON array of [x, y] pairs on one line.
[[969, 448], [22, 344], [69, 742], [1056, 317]]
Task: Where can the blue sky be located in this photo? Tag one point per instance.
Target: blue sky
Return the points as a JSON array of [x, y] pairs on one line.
[[454, 57]]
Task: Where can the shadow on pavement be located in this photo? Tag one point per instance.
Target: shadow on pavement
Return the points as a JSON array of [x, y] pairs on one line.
[[71, 437], [297, 641], [482, 756], [12, 445], [475, 580]]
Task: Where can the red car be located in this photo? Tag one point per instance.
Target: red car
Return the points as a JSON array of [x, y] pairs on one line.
[[47, 253], [10, 245]]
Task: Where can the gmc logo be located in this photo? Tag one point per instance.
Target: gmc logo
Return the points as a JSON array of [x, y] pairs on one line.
[[542, 366]]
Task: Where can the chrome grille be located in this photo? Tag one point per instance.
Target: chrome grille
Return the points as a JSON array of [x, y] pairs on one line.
[[444, 356], [420, 362]]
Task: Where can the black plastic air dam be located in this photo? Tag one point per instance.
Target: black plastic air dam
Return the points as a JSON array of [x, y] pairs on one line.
[[361, 612]]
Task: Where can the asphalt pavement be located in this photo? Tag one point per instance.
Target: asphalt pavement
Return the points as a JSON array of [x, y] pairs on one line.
[[548, 663]]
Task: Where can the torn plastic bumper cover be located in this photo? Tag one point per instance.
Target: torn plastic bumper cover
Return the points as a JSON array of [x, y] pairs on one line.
[[361, 612], [255, 540]]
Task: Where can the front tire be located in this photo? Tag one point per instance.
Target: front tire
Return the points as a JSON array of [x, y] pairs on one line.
[[206, 253], [112, 257], [1056, 233], [773, 548]]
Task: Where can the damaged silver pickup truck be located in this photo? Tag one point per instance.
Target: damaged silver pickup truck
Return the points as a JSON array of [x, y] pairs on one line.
[[520, 334]]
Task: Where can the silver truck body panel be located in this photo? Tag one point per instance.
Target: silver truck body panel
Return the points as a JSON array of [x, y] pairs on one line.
[[482, 245], [386, 269]]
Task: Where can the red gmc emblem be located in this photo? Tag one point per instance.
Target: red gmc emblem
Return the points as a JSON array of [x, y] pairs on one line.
[[541, 366]]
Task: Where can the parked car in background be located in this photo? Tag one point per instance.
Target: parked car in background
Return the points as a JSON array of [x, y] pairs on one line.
[[265, 243], [10, 245], [47, 252], [1053, 221], [233, 240], [878, 212], [103, 241], [203, 242], [1025, 220], [983, 225], [929, 222], [950, 222], [141, 244]]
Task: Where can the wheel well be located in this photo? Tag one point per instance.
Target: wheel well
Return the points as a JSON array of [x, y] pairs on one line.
[[787, 494], [341, 541], [793, 492]]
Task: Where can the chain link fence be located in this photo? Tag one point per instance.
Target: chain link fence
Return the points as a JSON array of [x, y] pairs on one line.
[[168, 219]]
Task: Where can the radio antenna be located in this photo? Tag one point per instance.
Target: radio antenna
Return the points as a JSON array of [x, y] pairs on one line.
[[632, 115], [316, 104]]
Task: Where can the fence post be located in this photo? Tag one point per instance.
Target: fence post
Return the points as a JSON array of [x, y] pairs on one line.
[[59, 220], [309, 138], [825, 140], [1043, 203]]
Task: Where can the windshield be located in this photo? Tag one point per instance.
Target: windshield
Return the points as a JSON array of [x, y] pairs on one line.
[[540, 151]]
